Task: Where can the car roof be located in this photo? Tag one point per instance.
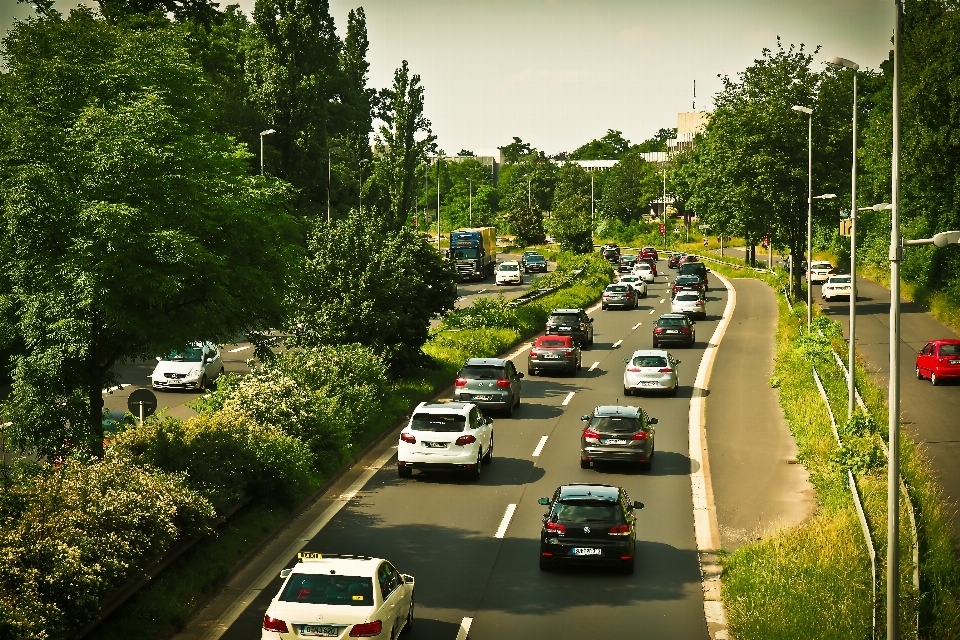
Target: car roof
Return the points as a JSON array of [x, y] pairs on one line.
[[617, 410], [310, 562], [689, 276], [510, 262], [651, 352], [462, 408], [821, 263], [565, 339], [565, 311], [672, 315], [945, 341], [495, 362], [589, 491]]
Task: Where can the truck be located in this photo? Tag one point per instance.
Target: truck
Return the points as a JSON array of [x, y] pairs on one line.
[[473, 252]]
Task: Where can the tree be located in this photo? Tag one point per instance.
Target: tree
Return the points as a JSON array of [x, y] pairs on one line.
[[526, 191], [402, 144], [570, 221], [609, 147], [363, 283], [629, 187], [456, 192], [658, 142], [130, 226], [516, 151]]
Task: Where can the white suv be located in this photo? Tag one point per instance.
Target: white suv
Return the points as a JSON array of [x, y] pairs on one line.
[[445, 435], [509, 273], [340, 596], [193, 367]]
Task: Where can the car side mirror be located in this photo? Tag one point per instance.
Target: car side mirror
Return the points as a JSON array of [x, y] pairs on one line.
[[285, 573], [585, 418], [446, 254], [158, 358], [407, 579], [676, 362], [533, 344], [519, 375], [637, 504], [653, 421], [543, 501]]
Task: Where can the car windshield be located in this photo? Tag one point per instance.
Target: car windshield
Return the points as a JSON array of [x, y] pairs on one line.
[[628, 259], [588, 511], [670, 322], [629, 279], [188, 354], [482, 372], [552, 344], [644, 266], [565, 319], [840, 280], [950, 349], [688, 297], [822, 265], [439, 422], [318, 588], [465, 254], [509, 267], [618, 288], [650, 361], [688, 280], [536, 258], [691, 267]]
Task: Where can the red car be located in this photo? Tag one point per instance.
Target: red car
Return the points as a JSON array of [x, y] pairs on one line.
[[939, 360], [652, 251]]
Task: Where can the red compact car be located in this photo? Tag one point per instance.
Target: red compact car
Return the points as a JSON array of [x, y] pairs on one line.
[[939, 360], [651, 251]]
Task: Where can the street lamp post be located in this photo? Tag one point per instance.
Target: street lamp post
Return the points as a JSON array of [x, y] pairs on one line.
[[664, 209], [363, 162], [591, 209], [329, 177], [471, 200], [809, 112], [268, 132], [438, 205], [852, 349]]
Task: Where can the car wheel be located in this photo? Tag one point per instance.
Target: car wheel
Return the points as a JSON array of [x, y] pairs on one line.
[[646, 466], [487, 459], [628, 567], [933, 378], [474, 473], [517, 403], [603, 307], [919, 375], [546, 564], [627, 392], [408, 625], [203, 382], [510, 410], [404, 471], [656, 344], [531, 372], [584, 464], [673, 392]]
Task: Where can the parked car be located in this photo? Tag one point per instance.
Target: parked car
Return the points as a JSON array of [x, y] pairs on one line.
[[686, 282], [675, 259], [652, 251], [619, 295], [195, 366], [674, 328], [571, 322], [554, 353], [509, 273], [820, 271], [328, 595], [589, 524], [617, 434], [651, 262], [836, 287], [689, 302], [489, 383], [939, 360], [535, 262], [636, 282], [650, 370], [627, 263], [445, 436]]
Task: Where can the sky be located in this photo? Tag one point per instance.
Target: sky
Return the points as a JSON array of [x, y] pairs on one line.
[[559, 73]]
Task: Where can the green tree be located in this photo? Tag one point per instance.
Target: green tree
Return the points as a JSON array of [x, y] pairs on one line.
[[526, 192], [610, 147], [629, 187], [658, 142], [516, 151], [456, 197], [363, 283], [130, 226]]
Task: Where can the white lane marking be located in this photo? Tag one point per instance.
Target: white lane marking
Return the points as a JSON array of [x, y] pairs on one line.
[[239, 349], [282, 559], [464, 628], [662, 300], [651, 312], [567, 400], [593, 366], [637, 325], [119, 387], [617, 343], [482, 291], [543, 441], [502, 529]]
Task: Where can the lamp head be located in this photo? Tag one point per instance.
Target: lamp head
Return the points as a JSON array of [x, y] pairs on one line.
[[268, 132], [806, 110], [843, 62]]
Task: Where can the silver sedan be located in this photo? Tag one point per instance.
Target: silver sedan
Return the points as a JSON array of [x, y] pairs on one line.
[[650, 370]]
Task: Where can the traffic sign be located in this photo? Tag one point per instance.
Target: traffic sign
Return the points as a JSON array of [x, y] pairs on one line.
[[663, 228], [142, 403], [704, 226], [845, 227], [766, 242]]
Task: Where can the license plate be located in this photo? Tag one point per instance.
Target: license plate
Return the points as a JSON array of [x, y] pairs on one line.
[[673, 331], [580, 551], [481, 397], [954, 361], [649, 384], [564, 328], [550, 356], [614, 441], [319, 631], [435, 445]]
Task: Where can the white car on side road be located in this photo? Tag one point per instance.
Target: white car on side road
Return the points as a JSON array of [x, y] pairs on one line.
[[509, 273], [445, 436], [195, 366], [836, 287], [650, 370], [340, 596], [644, 271], [636, 282]]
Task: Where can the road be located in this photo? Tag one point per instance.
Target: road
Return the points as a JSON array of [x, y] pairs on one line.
[[487, 288], [441, 528]]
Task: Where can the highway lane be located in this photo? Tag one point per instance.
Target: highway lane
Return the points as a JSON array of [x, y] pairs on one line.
[[441, 528]]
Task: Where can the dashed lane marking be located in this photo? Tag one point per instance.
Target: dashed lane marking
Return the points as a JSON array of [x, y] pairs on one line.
[[637, 325], [662, 300], [239, 349], [567, 400], [502, 529], [651, 312], [464, 628], [617, 343], [593, 366], [543, 441]]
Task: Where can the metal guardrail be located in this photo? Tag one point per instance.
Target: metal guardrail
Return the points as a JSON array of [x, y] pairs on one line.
[[536, 294]]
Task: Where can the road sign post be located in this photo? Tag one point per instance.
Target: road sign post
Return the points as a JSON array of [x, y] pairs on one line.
[[142, 402], [663, 228]]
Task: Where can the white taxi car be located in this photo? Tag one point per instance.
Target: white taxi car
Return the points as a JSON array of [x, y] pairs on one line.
[[650, 370], [836, 286], [340, 596], [509, 273], [193, 367], [445, 435]]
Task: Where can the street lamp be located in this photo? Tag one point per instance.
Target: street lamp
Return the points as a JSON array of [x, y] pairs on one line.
[[329, 177], [809, 113], [363, 162], [591, 211], [268, 132], [843, 63], [471, 200]]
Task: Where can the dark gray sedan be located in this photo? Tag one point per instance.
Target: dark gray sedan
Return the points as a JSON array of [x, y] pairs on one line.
[[618, 434], [554, 353]]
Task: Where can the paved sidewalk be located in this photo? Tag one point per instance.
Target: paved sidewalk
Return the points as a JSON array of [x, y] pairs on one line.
[[757, 485]]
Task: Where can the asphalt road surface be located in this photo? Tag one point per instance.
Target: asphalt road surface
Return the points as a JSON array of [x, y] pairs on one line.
[[441, 528], [469, 291]]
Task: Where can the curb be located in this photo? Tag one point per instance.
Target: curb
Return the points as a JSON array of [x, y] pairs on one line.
[[706, 530]]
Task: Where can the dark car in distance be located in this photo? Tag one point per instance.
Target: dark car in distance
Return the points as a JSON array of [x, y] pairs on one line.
[[686, 282], [589, 524], [617, 434], [626, 263], [611, 253], [554, 353], [534, 262], [674, 328], [571, 322], [674, 260], [696, 269]]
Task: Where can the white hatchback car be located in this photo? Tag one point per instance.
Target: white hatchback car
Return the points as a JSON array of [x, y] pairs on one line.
[[836, 287], [445, 436], [644, 271], [340, 596], [509, 273], [193, 367], [820, 271], [636, 282], [650, 370], [690, 303]]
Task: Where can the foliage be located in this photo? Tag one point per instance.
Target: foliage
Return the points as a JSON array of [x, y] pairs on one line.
[[570, 221], [526, 191], [658, 142], [456, 193], [629, 188], [610, 147], [516, 151], [130, 226]]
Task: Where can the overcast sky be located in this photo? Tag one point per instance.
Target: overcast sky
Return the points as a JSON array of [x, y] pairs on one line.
[[558, 73]]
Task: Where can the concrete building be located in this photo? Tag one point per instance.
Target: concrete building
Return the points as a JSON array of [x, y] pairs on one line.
[[689, 124]]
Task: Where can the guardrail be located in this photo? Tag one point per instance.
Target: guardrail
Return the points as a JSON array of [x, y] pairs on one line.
[[535, 294]]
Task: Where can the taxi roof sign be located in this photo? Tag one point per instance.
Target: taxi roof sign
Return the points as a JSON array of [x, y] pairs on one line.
[[309, 555]]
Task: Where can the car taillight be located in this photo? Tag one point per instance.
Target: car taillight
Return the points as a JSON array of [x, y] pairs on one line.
[[463, 441], [590, 433], [633, 369], [622, 530], [272, 624], [666, 370], [606, 295], [460, 382], [699, 303], [533, 354], [640, 435], [366, 630], [684, 330], [658, 330], [555, 526], [408, 438], [582, 326], [503, 383], [568, 353]]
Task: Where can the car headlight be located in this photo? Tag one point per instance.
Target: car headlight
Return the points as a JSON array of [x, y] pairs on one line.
[[193, 374]]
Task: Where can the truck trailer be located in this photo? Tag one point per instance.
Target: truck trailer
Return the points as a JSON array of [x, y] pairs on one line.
[[473, 252]]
